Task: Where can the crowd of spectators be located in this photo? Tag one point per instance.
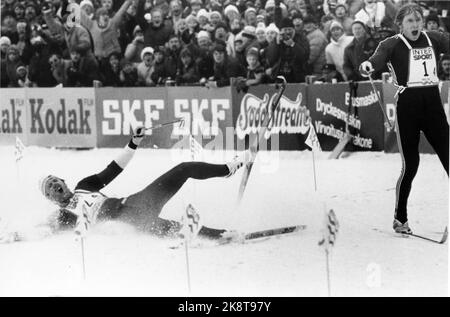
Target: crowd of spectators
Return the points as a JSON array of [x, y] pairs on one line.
[[129, 43]]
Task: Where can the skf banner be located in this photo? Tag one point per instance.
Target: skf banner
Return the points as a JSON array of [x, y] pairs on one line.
[[12, 115], [289, 122], [206, 113], [330, 113]]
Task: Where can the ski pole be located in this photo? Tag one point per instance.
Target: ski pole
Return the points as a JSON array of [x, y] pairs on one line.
[[181, 120], [388, 122]]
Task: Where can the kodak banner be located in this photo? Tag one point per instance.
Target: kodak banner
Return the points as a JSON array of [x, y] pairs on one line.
[[334, 111], [60, 117], [288, 125], [12, 115]]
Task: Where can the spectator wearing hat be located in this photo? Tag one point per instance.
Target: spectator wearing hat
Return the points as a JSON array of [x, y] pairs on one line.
[[156, 32], [187, 72], [341, 16], [287, 58], [5, 42], [250, 17], [160, 71], [215, 18], [274, 10], [231, 12], [203, 21], [83, 70], [172, 56], [77, 37], [221, 33], [104, 30], [225, 67], [88, 8], [432, 22], [372, 13], [32, 13], [8, 27], [334, 51], [195, 6], [145, 68], [329, 75], [354, 53], [248, 41], [317, 44], [190, 34], [19, 10], [22, 77], [260, 33], [23, 40], [10, 65], [134, 49], [444, 67], [203, 54], [111, 74]]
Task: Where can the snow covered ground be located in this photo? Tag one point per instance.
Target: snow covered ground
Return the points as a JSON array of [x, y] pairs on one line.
[[368, 259]]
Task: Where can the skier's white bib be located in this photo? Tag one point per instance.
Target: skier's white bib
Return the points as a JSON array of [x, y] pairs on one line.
[[422, 68]]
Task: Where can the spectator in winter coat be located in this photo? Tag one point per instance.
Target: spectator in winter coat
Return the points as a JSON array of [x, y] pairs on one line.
[[134, 49], [5, 42], [160, 74], [175, 13], [189, 35], [59, 67], [22, 77], [225, 68], [104, 31], [83, 70], [128, 74], [187, 72], [372, 13], [203, 55], [290, 57], [145, 68], [111, 73], [9, 68], [255, 71], [8, 27], [355, 53], [157, 32], [172, 56], [317, 43], [334, 52], [341, 15], [77, 37]]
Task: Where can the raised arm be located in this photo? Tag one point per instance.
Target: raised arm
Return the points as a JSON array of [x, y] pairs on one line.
[[119, 14], [96, 182]]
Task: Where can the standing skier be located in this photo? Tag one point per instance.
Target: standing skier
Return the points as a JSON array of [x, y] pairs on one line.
[[411, 57]]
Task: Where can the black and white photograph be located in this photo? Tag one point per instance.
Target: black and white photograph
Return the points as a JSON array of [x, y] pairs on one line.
[[228, 149]]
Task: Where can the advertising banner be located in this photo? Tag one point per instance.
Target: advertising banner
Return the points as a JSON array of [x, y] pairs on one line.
[[206, 113], [12, 115], [61, 117], [49, 117], [331, 113], [289, 127]]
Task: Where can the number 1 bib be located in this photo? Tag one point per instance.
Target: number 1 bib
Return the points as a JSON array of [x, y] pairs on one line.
[[422, 65]]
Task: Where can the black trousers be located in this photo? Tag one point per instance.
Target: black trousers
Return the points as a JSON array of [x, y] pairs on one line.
[[143, 208], [418, 109]]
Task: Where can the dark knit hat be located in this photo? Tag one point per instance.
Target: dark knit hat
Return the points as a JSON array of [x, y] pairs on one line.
[[432, 17]]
